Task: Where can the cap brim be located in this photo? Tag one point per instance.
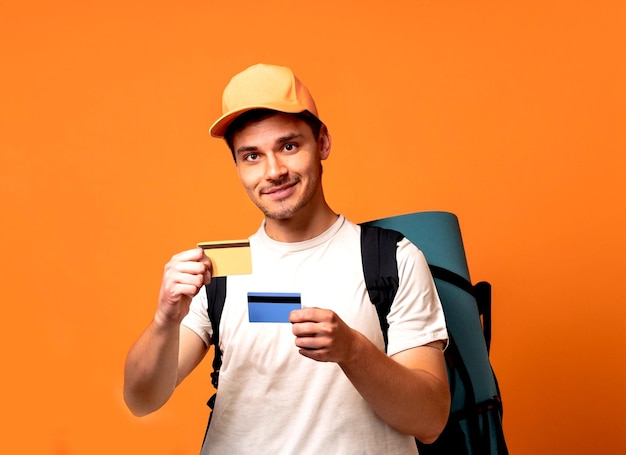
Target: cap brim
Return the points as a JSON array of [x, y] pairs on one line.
[[218, 129]]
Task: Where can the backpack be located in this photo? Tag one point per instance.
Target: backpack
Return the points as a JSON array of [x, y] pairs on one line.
[[475, 423], [474, 426]]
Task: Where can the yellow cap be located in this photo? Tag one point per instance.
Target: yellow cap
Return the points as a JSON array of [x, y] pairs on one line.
[[262, 86]]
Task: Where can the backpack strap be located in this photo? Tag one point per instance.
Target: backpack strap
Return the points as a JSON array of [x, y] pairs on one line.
[[480, 291], [216, 296], [380, 269]]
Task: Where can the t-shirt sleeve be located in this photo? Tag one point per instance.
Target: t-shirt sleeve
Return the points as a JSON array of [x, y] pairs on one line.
[[416, 317], [198, 318]]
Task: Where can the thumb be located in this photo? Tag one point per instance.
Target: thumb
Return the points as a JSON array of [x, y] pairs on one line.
[[208, 271]]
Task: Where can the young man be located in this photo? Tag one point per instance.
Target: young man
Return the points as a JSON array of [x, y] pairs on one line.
[[322, 384]]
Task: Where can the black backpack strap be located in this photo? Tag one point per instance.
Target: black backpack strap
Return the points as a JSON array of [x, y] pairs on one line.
[[380, 269], [480, 291], [216, 296]]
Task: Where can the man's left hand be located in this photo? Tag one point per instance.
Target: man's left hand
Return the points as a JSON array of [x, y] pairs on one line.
[[321, 335]]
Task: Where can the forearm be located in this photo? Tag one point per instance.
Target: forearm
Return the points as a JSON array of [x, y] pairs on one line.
[[151, 369], [411, 400]]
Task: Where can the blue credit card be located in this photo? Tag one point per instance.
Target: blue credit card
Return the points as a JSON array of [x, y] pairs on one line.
[[272, 306]]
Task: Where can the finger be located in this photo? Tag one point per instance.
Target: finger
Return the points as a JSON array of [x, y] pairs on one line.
[[319, 355], [308, 314], [310, 343], [174, 278], [206, 260], [305, 329], [206, 277], [195, 255], [175, 293], [208, 268], [190, 267], [185, 289]]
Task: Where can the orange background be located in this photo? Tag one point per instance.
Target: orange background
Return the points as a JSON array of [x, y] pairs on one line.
[[509, 114]]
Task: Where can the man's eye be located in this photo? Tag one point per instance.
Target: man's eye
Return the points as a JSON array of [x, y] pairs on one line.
[[290, 147]]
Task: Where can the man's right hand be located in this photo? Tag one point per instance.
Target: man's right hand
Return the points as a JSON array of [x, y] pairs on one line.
[[183, 277]]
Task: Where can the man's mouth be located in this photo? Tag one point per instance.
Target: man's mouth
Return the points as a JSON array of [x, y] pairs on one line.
[[280, 191]]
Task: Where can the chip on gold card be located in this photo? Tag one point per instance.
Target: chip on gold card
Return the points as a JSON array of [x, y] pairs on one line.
[[229, 257]]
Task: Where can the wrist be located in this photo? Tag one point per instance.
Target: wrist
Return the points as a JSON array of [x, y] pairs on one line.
[[164, 323], [357, 350]]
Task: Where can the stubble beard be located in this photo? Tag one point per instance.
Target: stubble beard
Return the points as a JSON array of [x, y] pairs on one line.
[[282, 210]]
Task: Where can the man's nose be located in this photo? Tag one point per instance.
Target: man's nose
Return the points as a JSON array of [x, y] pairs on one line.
[[275, 167]]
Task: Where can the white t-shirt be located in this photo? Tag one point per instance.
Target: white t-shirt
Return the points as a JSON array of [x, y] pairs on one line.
[[273, 400]]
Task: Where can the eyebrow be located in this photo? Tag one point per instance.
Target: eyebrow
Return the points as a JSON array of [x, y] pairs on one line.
[[288, 137], [246, 148], [279, 141]]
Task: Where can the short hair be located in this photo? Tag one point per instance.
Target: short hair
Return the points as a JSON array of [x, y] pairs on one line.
[[256, 115]]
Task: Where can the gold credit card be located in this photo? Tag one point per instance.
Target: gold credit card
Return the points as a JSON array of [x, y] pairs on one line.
[[229, 257]]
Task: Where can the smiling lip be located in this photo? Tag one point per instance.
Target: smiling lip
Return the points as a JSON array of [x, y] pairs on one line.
[[279, 192]]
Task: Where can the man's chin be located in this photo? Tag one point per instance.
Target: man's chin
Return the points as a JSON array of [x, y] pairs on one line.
[[278, 216], [281, 214]]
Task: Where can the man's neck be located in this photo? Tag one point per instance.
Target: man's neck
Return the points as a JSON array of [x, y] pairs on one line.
[[300, 227]]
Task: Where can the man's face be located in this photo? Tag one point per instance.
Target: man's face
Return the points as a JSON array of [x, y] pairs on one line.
[[279, 163]]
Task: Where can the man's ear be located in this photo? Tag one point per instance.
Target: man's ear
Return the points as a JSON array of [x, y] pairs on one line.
[[325, 142]]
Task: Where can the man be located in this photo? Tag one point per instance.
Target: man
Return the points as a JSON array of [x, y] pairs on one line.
[[322, 384]]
